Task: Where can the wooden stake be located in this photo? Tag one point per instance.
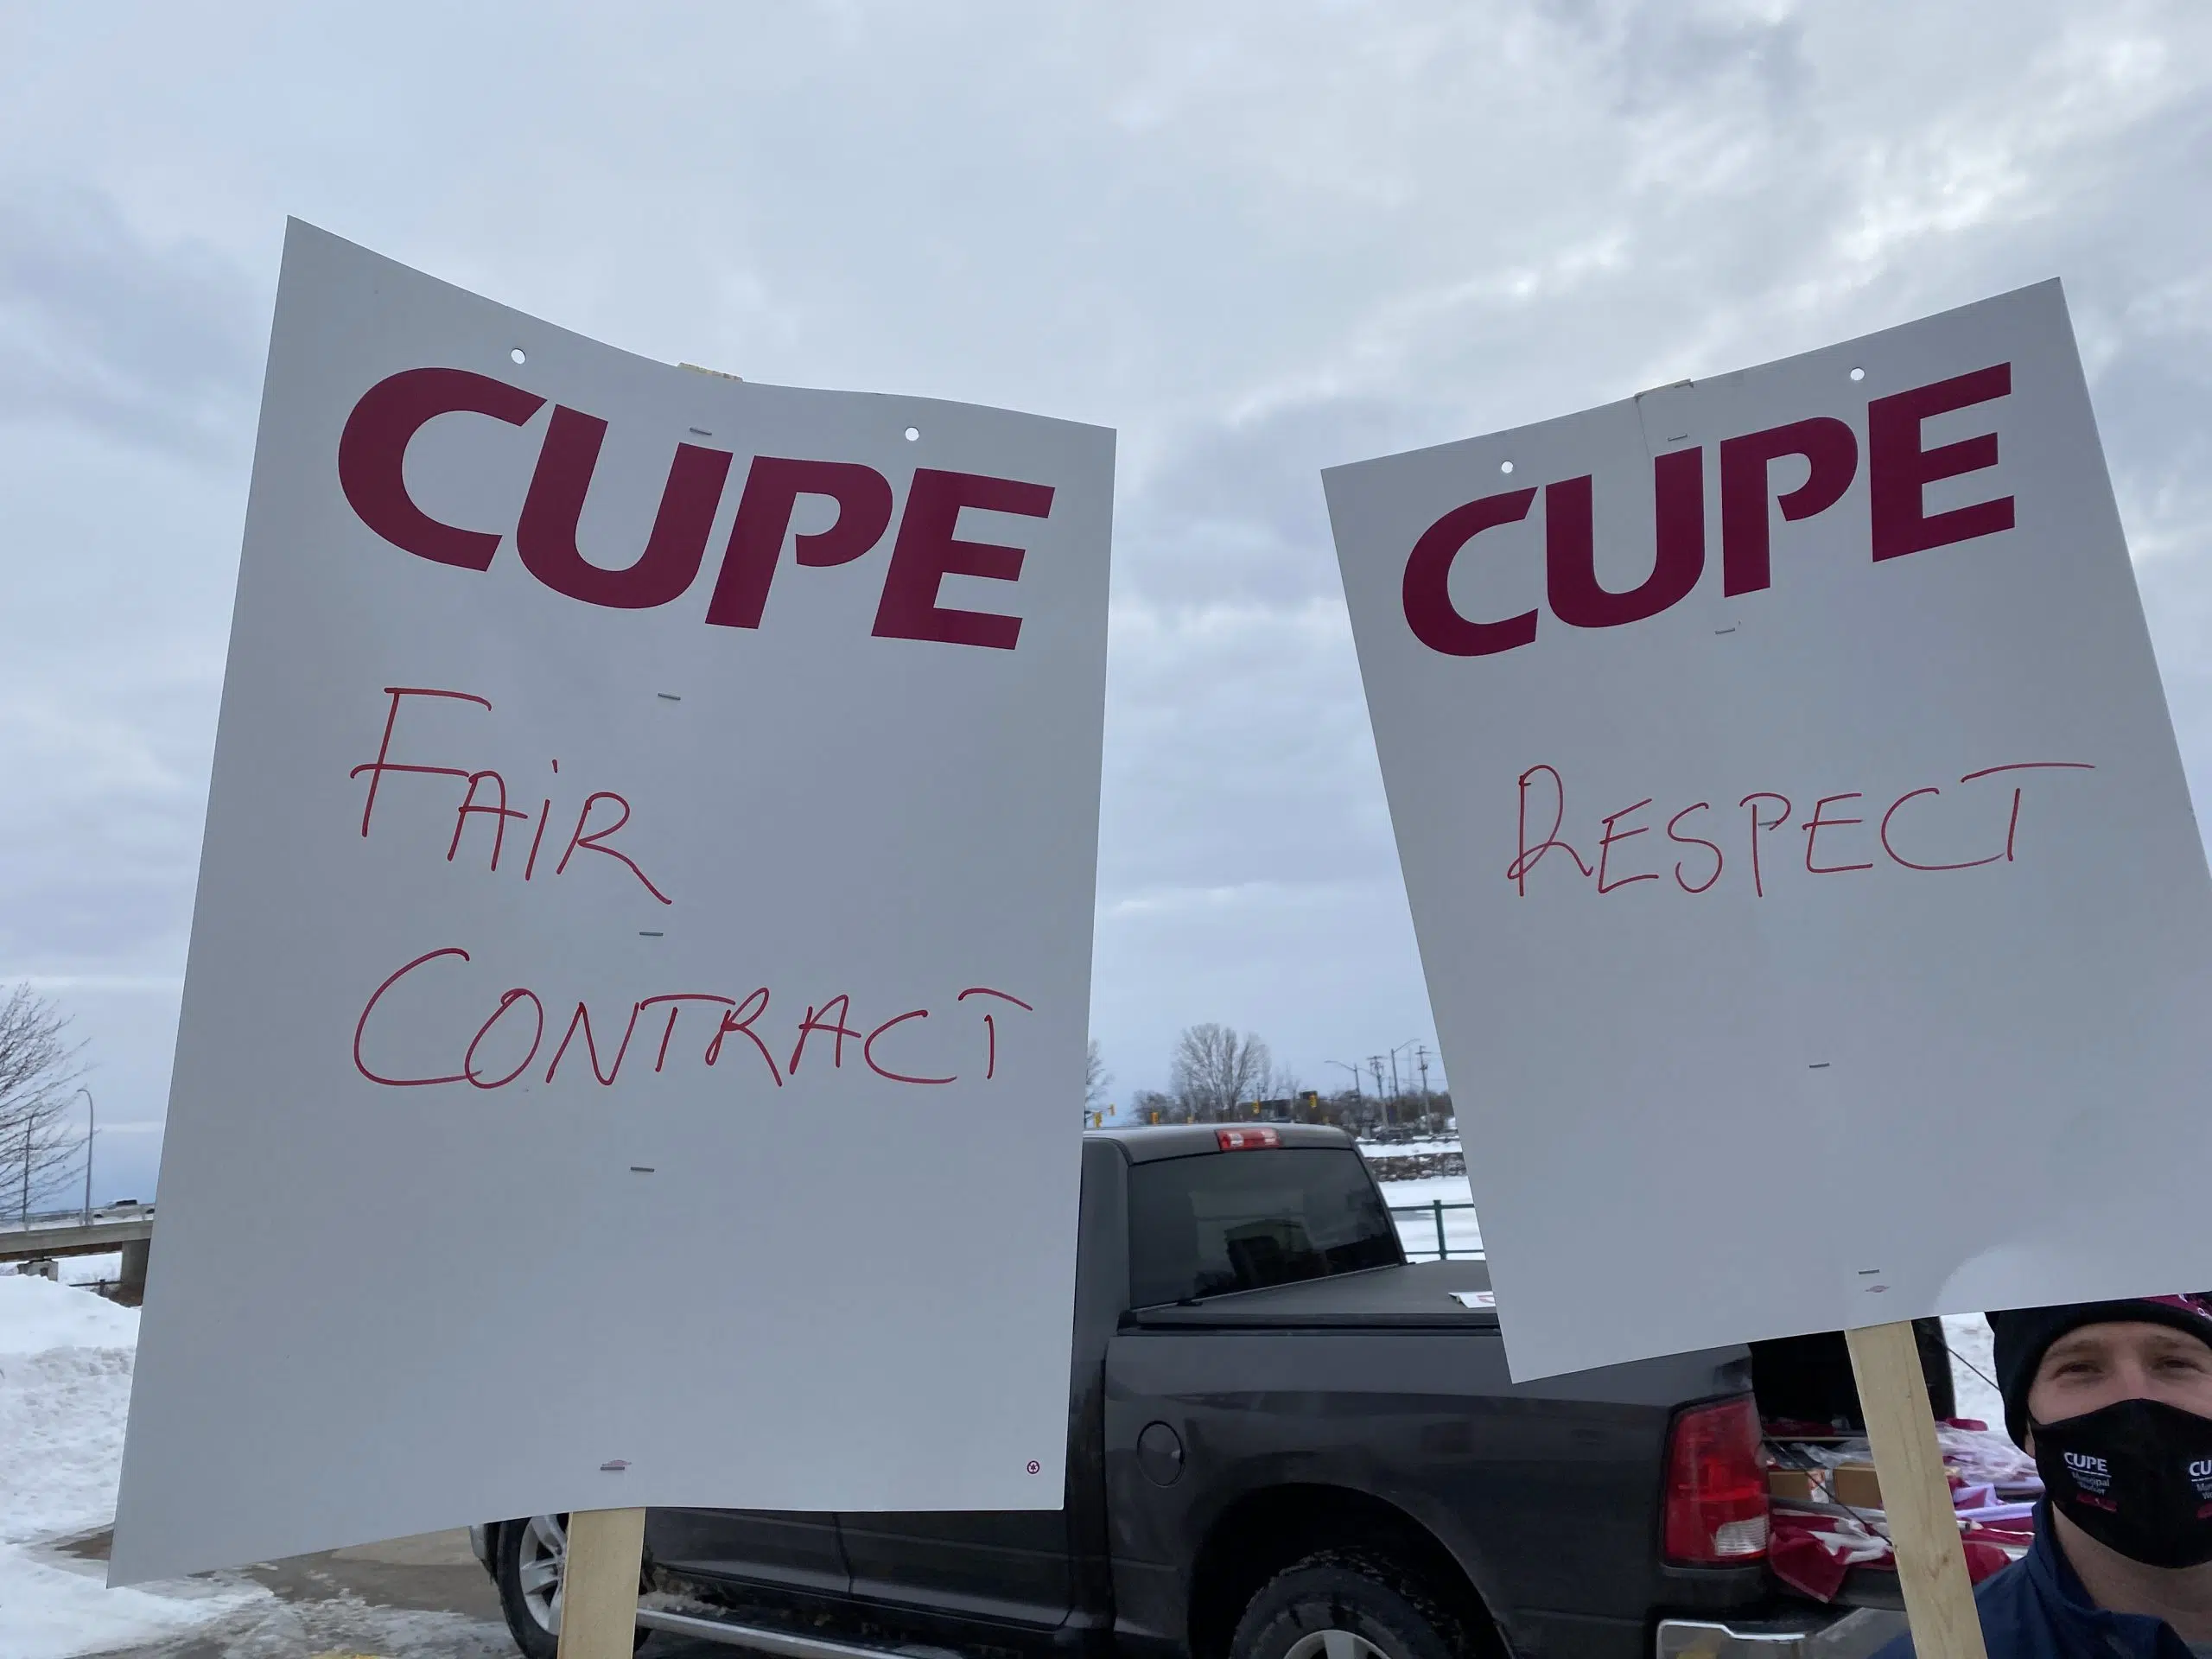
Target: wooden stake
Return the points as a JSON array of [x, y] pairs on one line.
[[1916, 1496], [599, 1584]]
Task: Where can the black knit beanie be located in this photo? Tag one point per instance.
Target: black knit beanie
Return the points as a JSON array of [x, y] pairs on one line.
[[2024, 1335]]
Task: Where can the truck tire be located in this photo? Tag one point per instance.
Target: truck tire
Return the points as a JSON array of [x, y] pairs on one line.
[[531, 1556], [1350, 1605]]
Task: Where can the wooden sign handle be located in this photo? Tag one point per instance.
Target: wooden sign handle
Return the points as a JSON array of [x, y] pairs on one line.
[[1916, 1496], [599, 1584]]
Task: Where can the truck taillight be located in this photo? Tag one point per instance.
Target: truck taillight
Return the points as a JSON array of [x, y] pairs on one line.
[[1245, 1140], [1716, 1512]]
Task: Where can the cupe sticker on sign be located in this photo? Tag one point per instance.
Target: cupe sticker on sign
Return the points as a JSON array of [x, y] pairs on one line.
[[1814, 916], [637, 996]]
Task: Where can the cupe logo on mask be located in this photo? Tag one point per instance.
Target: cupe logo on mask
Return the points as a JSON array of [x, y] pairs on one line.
[[2130, 1475]]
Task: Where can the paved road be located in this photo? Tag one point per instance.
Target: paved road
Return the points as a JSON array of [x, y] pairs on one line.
[[421, 1598]]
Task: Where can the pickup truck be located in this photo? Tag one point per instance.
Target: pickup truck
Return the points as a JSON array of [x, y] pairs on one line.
[[1287, 1441]]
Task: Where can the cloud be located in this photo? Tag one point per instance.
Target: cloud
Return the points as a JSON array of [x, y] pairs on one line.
[[1258, 238], [153, 344]]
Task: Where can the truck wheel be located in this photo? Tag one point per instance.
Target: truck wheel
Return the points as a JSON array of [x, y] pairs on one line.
[[1349, 1605], [532, 1556]]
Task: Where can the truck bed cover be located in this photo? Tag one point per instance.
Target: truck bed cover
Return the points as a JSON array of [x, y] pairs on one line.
[[1416, 1294]]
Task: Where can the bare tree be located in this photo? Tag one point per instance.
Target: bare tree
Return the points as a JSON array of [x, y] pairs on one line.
[[1150, 1106], [39, 1141], [1214, 1070], [1347, 1109], [1096, 1077]]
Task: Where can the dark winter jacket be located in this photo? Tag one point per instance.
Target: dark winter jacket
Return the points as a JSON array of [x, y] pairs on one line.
[[2037, 1609]]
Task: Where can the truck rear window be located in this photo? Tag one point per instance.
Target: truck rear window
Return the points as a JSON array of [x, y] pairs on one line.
[[1245, 1220]]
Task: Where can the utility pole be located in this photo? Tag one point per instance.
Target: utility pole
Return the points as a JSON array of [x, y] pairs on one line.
[[1375, 1065], [91, 1128], [1394, 1089]]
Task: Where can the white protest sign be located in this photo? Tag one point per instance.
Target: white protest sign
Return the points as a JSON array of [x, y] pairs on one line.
[[634, 1027], [1816, 924]]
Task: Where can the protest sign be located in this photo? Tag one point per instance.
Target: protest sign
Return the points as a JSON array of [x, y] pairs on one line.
[[1816, 924], [636, 1007]]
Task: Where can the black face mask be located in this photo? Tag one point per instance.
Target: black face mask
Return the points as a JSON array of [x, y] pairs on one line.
[[2135, 1476]]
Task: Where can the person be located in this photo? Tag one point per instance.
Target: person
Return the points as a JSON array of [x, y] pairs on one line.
[[2113, 1400]]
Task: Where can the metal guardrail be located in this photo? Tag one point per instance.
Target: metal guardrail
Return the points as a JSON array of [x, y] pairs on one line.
[[1433, 1210], [14, 1221]]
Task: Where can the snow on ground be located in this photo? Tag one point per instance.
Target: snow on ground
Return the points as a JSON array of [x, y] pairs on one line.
[[1413, 1201], [347, 1627], [65, 1392], [36, 1315], [1408, 1148], [1411, 1205], [1973, 1366]]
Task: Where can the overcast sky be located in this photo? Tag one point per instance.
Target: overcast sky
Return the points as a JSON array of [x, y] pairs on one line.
[[1255, 238]]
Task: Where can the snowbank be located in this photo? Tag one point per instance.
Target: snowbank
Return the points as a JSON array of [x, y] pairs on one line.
[[36, 1314], [65, 1392]]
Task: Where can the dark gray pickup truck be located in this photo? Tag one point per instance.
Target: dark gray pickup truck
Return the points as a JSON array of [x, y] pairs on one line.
[[1286, 1442]]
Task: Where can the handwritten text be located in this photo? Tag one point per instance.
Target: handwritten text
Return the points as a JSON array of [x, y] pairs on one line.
[[1690, 845]]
